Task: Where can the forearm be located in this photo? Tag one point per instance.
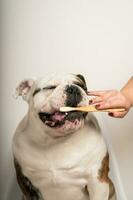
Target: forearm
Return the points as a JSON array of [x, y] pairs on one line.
[[127, 90]]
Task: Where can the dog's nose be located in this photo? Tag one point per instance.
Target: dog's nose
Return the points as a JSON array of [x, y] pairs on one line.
[[73, 95]]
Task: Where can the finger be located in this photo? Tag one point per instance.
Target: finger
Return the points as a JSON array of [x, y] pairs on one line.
[[96, 93], [117, 114], [96, 100], [101, 99], [103, 105], [113, 103]]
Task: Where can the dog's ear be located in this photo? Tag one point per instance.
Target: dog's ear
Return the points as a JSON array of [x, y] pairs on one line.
[[81, 77], [82, 82], [24, 88]]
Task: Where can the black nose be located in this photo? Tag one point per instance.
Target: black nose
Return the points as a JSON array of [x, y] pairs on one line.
[[73, 95]]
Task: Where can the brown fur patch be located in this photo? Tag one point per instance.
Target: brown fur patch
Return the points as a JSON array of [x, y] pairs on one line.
[[111, 190], [103, 171]]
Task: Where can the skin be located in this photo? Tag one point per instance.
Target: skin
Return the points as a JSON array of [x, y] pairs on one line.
[[114, 99]]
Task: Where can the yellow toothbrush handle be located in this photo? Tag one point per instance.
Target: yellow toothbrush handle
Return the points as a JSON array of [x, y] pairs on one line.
[[93, 109]]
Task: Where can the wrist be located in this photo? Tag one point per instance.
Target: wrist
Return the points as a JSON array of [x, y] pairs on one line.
[[127, 91], [128, 96]]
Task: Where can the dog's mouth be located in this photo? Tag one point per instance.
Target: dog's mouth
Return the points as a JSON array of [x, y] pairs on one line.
[[58, 118]]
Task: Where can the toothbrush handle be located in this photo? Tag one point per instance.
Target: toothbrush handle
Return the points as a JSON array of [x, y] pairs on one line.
[[93, 109]]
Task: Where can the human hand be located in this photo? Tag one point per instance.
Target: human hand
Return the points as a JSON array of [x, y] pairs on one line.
[[110, 99]]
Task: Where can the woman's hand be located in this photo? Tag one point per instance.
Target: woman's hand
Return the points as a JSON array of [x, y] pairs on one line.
[[110, 99]]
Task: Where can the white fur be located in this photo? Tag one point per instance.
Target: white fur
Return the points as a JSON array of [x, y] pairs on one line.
[[60, 167]]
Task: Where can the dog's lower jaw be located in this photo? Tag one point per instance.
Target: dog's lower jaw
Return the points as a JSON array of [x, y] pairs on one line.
[[43, 133], [69, 124], [65, 129]]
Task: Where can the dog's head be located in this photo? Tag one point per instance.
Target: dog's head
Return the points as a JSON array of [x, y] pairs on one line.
[[46, 96]]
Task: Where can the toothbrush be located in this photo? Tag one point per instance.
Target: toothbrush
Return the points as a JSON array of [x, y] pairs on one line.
[[90, 109]]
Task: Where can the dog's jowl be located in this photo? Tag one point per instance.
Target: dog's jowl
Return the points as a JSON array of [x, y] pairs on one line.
[[60, 156]]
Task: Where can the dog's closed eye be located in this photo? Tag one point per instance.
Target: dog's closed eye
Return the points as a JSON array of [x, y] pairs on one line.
[[51, 87]]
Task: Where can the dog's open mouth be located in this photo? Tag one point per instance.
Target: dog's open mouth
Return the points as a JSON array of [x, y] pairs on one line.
[[58, 118], [53, 119]]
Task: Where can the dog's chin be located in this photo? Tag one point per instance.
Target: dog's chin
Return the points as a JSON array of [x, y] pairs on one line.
[[63, 122]]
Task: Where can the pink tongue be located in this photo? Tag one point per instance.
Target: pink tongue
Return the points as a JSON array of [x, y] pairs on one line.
[[58, 116]]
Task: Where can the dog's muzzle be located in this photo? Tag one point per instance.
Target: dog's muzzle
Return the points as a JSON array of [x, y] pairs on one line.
[[57, 119]]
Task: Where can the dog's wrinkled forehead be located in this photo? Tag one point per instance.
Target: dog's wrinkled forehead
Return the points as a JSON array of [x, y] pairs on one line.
[[58, 80]]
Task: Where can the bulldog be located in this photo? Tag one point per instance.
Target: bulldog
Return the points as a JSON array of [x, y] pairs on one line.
[[60, 156]]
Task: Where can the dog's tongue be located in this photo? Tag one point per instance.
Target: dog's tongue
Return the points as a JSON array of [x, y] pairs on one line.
[[58, 116]]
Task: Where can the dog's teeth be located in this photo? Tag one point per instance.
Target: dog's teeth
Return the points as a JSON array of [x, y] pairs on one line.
[[50, 123], [53, 124]]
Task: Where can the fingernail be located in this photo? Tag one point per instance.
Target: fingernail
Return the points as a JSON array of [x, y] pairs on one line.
[[90, 101], [111, 114], [97, 106]]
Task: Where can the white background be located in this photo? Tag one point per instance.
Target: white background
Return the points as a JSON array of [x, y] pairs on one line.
[[91, 37]]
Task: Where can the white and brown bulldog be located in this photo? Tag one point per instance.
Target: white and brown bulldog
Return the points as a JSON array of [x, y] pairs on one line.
[[60, 156]]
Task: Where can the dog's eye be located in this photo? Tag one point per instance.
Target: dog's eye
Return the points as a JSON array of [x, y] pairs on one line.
[[36, 91], [51, 87]]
